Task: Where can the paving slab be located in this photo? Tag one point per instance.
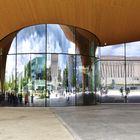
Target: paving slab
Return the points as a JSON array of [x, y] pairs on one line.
[[102, 122], [25, 123]]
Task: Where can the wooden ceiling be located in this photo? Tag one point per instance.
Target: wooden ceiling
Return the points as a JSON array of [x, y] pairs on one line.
[[112, 21]]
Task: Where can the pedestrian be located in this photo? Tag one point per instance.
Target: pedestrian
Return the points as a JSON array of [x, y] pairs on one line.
[[121, 90], [26, 99], [20, 98], [32, 98], [68, 98]]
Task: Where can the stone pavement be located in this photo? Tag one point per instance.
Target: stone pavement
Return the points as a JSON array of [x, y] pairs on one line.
[[102, 122], [25, 123]]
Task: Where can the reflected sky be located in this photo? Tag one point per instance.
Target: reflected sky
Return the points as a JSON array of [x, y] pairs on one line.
[[132, 50], [10, 67], [32, 40], [114, 50], [13, 47]]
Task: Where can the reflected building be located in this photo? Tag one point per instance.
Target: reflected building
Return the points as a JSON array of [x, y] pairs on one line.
[[37, 68], [56, 57], [115, 71], [71, 70], [54, 69]]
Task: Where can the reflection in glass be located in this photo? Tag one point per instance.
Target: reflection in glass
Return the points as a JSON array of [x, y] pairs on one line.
[[133, 51], [85, 80], [98, 52], [51, 65], [0, 72], [60, 79], [58, 41], [12, 49], [31, 39], [38, 78], [133, 81], [112, 52], [112, 80], [10, 73], [85, 42], [23, 73]]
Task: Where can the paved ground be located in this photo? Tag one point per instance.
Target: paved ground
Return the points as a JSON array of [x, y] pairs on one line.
[[31, 124], [102, 122]]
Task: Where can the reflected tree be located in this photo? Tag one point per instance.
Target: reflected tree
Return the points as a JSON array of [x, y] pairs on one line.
[[65, 77]]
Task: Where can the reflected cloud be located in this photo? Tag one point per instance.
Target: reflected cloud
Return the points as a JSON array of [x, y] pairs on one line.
[[114, 50], [10, 67], [133, 49]]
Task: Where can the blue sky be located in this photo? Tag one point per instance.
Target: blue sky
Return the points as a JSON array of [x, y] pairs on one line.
[[132, 49]]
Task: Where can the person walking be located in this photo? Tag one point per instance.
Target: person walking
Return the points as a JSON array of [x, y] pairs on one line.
[[26, 99], [121, 90]]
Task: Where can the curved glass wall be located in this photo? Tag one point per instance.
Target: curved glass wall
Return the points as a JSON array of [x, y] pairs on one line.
[[51, 65], [58, 65]]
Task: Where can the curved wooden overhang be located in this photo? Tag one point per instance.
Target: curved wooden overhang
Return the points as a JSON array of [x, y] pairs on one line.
[[112, 21]]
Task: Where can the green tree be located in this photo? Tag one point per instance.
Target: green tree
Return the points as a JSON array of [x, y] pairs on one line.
[[65, 77], [24, 78], [44, 73], [49, 77], [12, 85], [6, 86], [59, 75], [29, 71], [21, 83], [73, 82]]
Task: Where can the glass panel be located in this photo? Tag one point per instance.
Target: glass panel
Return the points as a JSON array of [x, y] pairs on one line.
[[85, 43], [38, 80], [10, 80], [60, 39], [59, 69], [133, 81], [31, 39], [12, 49], [70, 89], [24, 79], [79, 89], [114, 52], [85, 80], [52, 79], [0, 72], [98, 52], [133, 51], [97, 79], [0, 51], [112, 81]]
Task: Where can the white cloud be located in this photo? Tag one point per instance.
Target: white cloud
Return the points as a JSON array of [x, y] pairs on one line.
[[116, 50], [133, 49], [10, 66], [71, 50]]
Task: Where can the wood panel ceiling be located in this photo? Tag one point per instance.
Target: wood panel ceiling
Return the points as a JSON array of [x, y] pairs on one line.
[[112, 21]]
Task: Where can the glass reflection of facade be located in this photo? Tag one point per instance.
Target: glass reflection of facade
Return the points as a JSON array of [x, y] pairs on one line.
[[119, 73], [51, 65]]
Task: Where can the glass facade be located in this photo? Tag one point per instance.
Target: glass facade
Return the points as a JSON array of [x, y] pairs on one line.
[[51, 65], [119, 73], [58, 65]]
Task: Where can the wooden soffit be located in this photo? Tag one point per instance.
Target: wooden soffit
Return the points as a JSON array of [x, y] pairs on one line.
[[112, 21]]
